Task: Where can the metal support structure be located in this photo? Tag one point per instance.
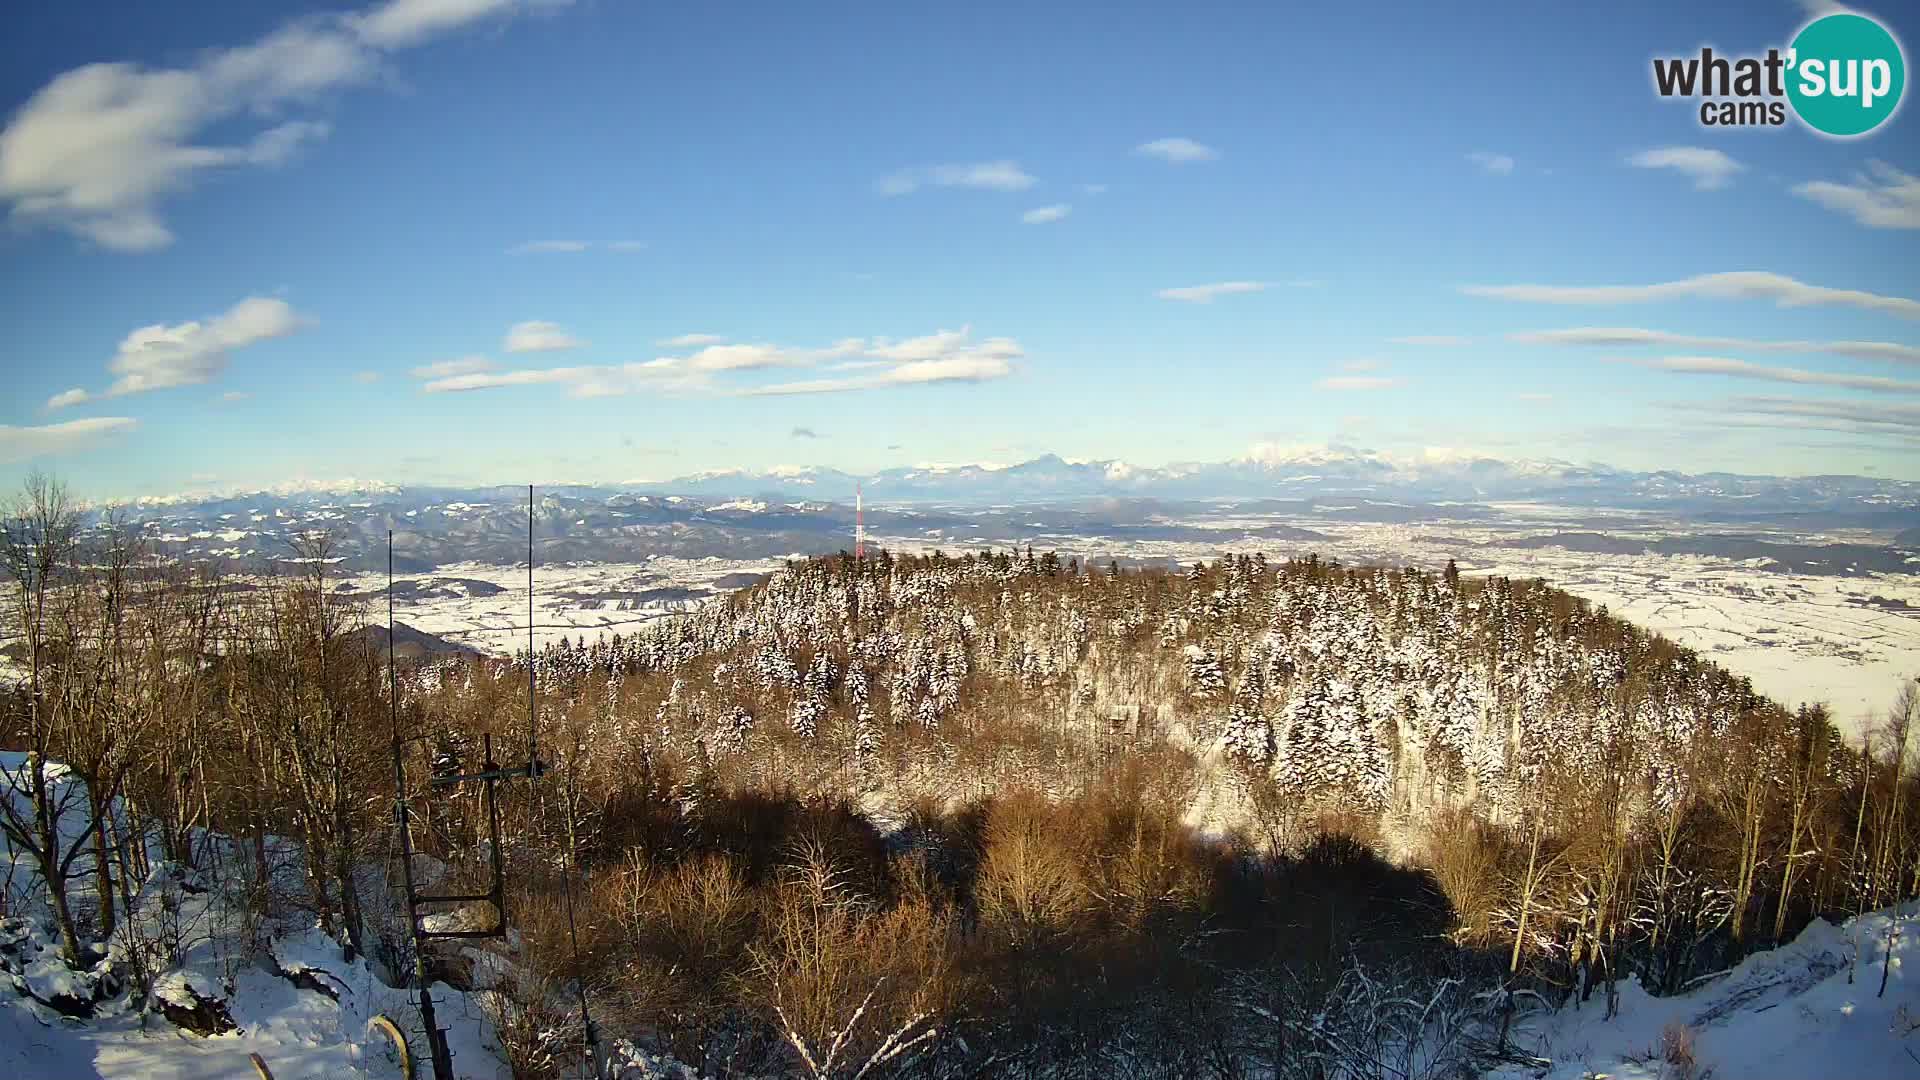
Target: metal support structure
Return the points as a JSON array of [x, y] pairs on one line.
[[438, 1052], [489, 776]]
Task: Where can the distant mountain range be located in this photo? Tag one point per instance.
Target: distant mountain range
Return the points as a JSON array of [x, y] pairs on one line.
[[1276, 495], [1270, 473], [1309, 472]]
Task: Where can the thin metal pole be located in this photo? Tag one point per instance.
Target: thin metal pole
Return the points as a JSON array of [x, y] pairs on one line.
[[533, 736], [499, 889]]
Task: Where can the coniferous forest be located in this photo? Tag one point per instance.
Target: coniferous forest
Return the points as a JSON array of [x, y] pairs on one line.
[[996, 813]]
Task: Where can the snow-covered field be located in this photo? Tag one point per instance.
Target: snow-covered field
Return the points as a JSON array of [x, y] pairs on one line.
[[574, 600], [1798, 637]]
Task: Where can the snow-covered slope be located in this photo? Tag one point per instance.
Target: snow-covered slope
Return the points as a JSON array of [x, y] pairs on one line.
[[276, 989], [297, 1031], [1789, 1014]]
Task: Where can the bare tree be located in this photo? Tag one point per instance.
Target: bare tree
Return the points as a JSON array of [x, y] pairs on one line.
[[41, 546], [305, 690]]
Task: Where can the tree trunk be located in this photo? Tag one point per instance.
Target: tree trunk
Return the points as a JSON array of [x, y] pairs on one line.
[[62, 917], [1526, 900], [343, 874], [46, 853], [262, 874], [102, 867]]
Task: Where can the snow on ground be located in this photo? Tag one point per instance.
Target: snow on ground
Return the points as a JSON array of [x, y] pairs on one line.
[[1788, 1014], [298, 1032], [204, 933]]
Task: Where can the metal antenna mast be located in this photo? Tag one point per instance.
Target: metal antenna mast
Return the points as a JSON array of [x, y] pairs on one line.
[[859, 526], [573, 856], [532, 728]]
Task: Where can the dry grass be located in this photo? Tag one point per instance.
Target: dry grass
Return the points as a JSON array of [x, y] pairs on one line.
[[1029, 889], [1677, 1050]]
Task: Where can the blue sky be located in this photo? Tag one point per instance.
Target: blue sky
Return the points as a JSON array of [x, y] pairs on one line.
[[239, 235]]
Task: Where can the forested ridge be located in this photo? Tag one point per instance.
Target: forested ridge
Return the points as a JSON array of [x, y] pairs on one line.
[[984, 814]]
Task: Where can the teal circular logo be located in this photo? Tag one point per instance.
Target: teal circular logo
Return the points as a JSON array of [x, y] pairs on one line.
[[1846, 74]]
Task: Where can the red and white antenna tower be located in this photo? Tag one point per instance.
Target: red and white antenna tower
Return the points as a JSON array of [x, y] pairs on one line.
[[859, 526]]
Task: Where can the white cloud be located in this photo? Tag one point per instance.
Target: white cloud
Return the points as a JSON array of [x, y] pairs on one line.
[[1497, 164], [927, 347], [741, 358], [1205, 294], [98, 149], [574, 247], [1707, 168], [235, 395], [581, 381], [1362, 363], [1737, 285], [1618, 336], [1882, 198], [964, 368], [538, 336], [1433, 340], [990, 175], [549, 247], [186, 354], [398, 24], [943, 356], [1042, 215], [1357, 382], [1859, 417], [486, 380], [1178, 151], [690, 341], [1532, 396], [21, 443], [365, 378], [443, 369], [1093, 189], [1742, 369]]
